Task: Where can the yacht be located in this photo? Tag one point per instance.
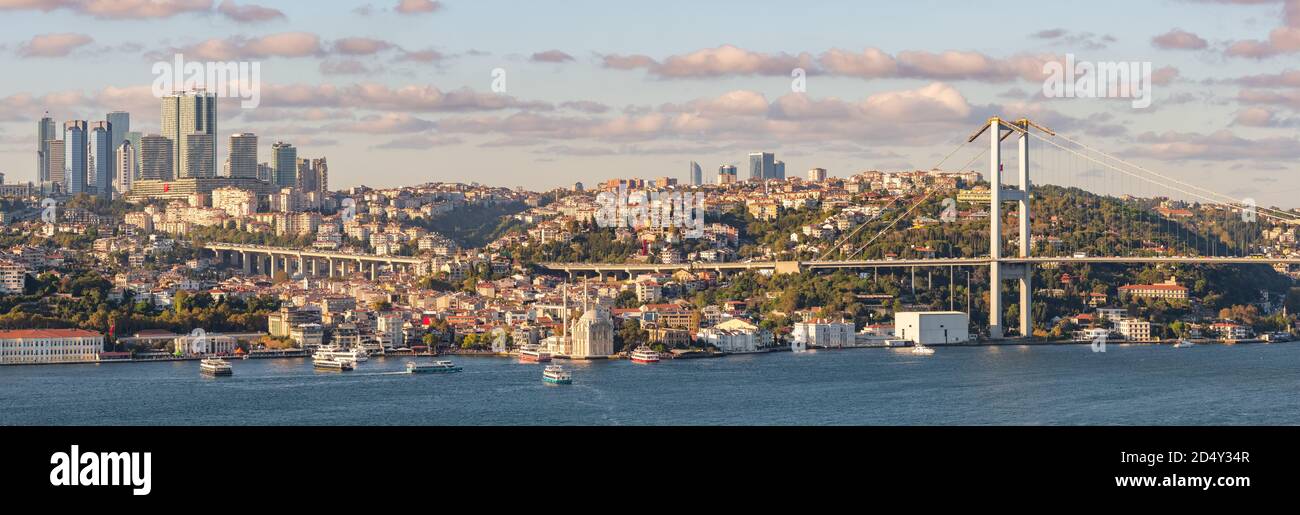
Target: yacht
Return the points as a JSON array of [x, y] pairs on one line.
[[533, 353], [215, 367], [437, 367], [922, 350], [556, 374], [644, 354], [1182, 344]]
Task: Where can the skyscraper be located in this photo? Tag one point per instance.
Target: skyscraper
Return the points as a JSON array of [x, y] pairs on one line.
[[100, 160], [726, 174], [126, 166], [778, 171], [243, 155], [156, 159], [185, 113], [134, 138], [74, 156], [284, 163], [697, 175], [200, 155], [119, 123], [55, 164], [762, 166], [44, 134]]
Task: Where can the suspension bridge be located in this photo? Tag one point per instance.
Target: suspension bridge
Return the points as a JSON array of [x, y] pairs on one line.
[[1144, 217]]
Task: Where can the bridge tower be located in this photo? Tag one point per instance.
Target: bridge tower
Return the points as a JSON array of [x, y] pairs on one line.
[[999, 270]]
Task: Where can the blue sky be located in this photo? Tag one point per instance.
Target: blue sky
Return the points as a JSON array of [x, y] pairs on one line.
[[638, 89]]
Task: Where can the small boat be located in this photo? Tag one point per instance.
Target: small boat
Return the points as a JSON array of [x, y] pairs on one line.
[[216, 367], [1182, 344], [922, 350], [533, 354], [437, 367], [556, 374], [644, 354]]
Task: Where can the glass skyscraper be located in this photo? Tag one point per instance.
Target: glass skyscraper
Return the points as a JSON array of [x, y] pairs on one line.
[[119, 122], [74, 156], [284, 164], [45, 132], [186, 113], [762, 166], [100, 159]]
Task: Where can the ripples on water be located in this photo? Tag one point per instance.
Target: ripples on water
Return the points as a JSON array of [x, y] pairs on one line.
[[1130, 385]]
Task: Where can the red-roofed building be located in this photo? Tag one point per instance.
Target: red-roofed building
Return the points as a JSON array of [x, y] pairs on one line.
[[1166, 290], [49, 346]]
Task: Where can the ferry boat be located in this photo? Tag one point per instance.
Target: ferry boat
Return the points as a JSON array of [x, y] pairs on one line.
[[644, 354], [1182, 344], [533, 354], [216, 367], [922, 350], [355, 354], [437, 367], [556, 374], [324, 361]]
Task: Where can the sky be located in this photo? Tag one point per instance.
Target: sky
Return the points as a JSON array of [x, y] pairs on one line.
[[405, 92]]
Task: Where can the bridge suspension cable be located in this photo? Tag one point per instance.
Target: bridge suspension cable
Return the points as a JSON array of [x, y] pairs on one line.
[[1223, 198], [1098, 161], [891, 225]]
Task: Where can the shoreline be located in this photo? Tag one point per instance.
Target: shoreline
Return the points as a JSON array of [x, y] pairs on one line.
[[670, 357]]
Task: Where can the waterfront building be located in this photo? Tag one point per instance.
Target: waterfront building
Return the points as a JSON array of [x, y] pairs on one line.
[[49, 346], [204, 345], [735, 336], [1135, 330], [932, 327], [592, 335], [824, 333]]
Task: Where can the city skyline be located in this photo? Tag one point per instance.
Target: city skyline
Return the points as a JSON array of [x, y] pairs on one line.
[[391, 105]]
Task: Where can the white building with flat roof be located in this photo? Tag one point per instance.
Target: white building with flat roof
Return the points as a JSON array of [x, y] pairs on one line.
[[933, 327]]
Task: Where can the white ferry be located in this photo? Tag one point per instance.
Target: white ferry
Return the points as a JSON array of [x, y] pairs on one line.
[[328, 362], [216, 367], [437, 367], [533, 354], [355, 354], [644, 354], [556, 374]]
